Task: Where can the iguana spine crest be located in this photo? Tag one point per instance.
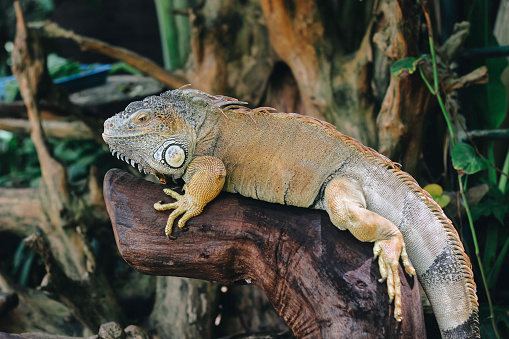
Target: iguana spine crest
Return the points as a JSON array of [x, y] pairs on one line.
[[452, 235], [291, 159]]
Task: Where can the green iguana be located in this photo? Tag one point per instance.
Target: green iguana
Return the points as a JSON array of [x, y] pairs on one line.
[[215, 143]]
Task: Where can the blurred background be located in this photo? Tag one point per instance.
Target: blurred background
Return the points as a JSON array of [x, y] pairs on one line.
[[360, 65]]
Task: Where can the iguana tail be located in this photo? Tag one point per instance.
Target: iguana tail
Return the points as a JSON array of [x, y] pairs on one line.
[[432, 242], [443, 267]]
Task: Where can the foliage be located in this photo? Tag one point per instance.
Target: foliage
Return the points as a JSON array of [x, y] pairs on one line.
[[407, 66], [466, 160], [490, 102], [21, 167], [22, 263], [122, 67], [495, 203], [35, 10], [175, 32], [58, 67], [436, 191], [78, 156]]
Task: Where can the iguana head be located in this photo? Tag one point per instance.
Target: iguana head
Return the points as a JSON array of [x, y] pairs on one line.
[[153, 135]]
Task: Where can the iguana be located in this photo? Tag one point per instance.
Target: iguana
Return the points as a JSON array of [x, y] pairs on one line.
[[216, 143]]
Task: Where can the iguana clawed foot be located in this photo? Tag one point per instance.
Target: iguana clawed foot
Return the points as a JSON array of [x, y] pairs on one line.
[[388, 252], [184, 206]]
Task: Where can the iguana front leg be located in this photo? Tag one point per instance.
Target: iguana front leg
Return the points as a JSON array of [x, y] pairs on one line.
[[204, 180], [345, 202]]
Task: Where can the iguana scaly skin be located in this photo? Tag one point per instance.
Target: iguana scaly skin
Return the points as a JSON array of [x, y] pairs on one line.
[[215, 144]]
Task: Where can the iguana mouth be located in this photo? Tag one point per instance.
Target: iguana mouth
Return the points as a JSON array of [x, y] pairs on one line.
[[131, 162], [124, 135]]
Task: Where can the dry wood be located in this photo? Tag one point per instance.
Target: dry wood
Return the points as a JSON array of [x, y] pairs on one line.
[[247, 310], [71, 270], [64, 129], [52, 30], [36, 313], [20, 211], [184, 308], [322, 281]]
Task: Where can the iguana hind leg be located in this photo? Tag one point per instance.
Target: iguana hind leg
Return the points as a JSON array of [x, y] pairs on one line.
[[204, 179], [345, 202]]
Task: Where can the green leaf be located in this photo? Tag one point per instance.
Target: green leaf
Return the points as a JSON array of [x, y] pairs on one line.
[[436, 193], [80, 168], [490, 248], [494, 203], [494, 271], [25, 270], [434, 189], [443, 200], [123, 67], [59, 67], [496, 91], [465, 159], [18, 257], [11, 91], [489, 101], [407, 66], [46, 5]]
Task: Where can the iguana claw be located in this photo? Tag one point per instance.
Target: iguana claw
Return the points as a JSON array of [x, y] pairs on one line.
[[389, 252], [183, 206]]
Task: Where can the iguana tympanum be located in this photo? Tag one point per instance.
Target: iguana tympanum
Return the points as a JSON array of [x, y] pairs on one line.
[[215, 143]]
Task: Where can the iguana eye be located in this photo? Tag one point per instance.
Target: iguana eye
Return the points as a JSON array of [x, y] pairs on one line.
[[141, 118], [174, 156]]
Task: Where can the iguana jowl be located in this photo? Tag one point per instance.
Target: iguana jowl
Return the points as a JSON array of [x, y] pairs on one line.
[[214, 143]]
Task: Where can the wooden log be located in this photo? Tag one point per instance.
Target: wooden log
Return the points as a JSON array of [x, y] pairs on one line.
[[322, 281]]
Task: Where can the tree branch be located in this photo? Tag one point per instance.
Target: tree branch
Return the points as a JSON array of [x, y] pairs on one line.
[[65, 129], [323, 282], [52, 30], [66, 252], [20, 211]]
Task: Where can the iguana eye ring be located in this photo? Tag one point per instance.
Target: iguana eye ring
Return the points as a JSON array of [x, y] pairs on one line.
[[174, 156], [141, 118]]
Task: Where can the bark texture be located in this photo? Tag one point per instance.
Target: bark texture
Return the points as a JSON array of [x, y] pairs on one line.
[[320, 280], [196, 320], [60, 240]]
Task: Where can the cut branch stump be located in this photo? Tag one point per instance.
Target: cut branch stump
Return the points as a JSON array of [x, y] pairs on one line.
[[322, 281]]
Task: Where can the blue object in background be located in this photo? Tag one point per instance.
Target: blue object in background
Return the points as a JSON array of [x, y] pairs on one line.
[[89, 77]]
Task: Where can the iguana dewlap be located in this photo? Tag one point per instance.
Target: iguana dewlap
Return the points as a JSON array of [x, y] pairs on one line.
[[215, 144]]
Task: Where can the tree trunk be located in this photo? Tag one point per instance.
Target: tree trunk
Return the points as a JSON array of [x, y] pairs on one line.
[[245, 309], [71, 276], [184, 308]]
